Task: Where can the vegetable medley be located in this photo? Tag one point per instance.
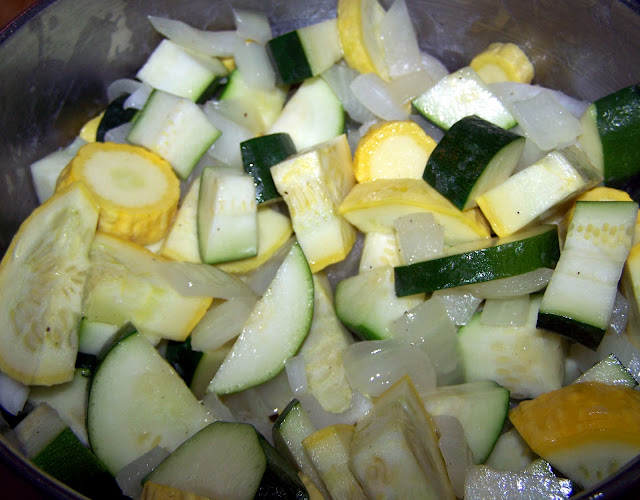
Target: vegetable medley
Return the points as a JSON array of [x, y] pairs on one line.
[[321, 265]]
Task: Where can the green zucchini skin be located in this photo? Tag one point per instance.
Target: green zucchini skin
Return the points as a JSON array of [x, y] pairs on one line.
[[280, 479], [259, 155], [506, 257], [462, 156], [114, 115], [183, 359], [289, 59], [588, 335]]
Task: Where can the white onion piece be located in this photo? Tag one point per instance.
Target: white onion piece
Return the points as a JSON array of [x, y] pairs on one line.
[[216, 407], [455, 451], [254, 64], [407, 87], [227, 147], [460, 304], [260, 279], [13, 394], [241, 113], [202, 280], [348, 266], [611, 343], [511, 311], [521, 284], [245, 407], [372, 15], [531, 152], [400, 42], [375, 94], [373, 366], [122, 86], [433, 66], [511, 92], [118, 134], [139, 97], [485, 483], [130, 477], [339, 78], [212, 43], [620, 315], [252, 25], [222, 322], [420, 237], [297, 374]]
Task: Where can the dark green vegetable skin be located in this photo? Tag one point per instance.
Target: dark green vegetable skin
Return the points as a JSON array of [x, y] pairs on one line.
[[510, 256], [289, 59], [280, 480], [114, 116], [588, 335], [183, 359], [461, 157]]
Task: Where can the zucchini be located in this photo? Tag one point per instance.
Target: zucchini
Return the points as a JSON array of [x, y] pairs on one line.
[[181, 240], [579, 299], [114, 116], [93, 335], [473, 156], [269, 338], [482, 261], [259, 155], [460, 94], [183, 359], [306, 52]]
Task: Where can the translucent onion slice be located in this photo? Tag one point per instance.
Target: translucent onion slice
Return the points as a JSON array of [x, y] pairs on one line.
[[215, 406], [118, 134], [138, 97], [620, 315], [460, 304], [400, 42], [339, 78], [122, 86], [522, 284], [252, 25], [455, 451], [373, 366], [407, 87], [375, 95], [512, 311], [420, 237], [212, 43], [433, 66], [254, 64], [130, 477], [239, 112], [227, 147], [222, 322], [13, 394], [260, 279]]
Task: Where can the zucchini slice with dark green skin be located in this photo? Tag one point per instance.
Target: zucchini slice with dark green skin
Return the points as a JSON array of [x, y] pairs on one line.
[[114, 116], [473, 156], [482, 261]]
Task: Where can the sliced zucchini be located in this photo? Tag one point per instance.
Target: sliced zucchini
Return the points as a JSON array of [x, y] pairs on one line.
[[367, 303], [608, 371], [611, 134], [136, 402], [114, 116], [227, 216], [480, 407], [313, 115], [473, 156], [579, 299], [276, 337], [481, 261], [94, 335], [174, 128], [461, 94], [183, 359], [206, 368], [305, 52], [523, 359], [259, 155], [181, 240]]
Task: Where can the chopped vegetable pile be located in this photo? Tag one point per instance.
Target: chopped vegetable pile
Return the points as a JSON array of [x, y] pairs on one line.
[[320, 265]]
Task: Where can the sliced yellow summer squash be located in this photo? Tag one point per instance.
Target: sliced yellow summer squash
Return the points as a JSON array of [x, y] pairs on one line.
[[90, 129], [503, 62], [137, 191], [586, 430], [374, 206], [392, 150]]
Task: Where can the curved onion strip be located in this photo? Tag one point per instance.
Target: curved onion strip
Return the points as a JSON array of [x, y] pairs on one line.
[[433, 66], [400, 42], [407, 87], [212, 402], [252, 25], [227, 147], [212, 43], [455, 451], [522, 284], [510, 311], [130, 477], [139, 97], [13, 394], [254, 64], [122, 86], [118, 134], [222, 322], [339, 78], [374, 93], [259, 279]]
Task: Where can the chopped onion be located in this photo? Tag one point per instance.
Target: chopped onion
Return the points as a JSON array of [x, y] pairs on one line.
[[455, 451], [400, 42], [348, 266], [339, 78], [297, 374], [216, 407], [254, 64], [227, 147], [13, 394], [620, 315], [420, 237], [221, 323], [122, 86], [260, 279], [212, 43], [375, 94], [484, 483], [252, 25], [460, 304], [130, 477], [611, 343], [407, 87], [139, 97], [118, 134], [511, 311], [522, 284], [434, 67], [373, 366], [372, 15], [241, 113]]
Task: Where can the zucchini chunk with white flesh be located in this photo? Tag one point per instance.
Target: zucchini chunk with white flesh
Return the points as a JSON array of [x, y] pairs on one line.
[[461, 94], [181, 240], [227, 216], [395, 452], [313, 115], [123, 286], [481, 261], [259, 155], [51, 445], [523, 359], [532, 192], [180, 72], [306, 52], [579, 299], [228, 450], [473, 156], [313, 183], [270, 337], [480, 407], [137, 401], [587, 431], [42, 279], [174, 128], [367, 303], [611, 134]]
